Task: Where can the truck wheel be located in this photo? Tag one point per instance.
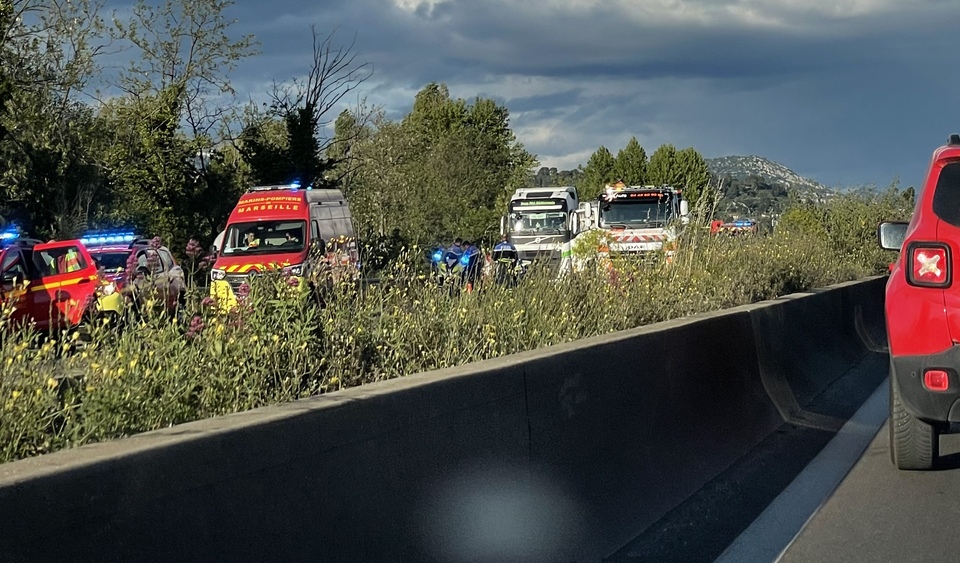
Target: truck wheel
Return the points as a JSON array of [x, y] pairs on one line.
[[914, 444]]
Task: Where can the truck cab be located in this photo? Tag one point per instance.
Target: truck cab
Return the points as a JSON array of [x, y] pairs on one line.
[[282, 227], [636, 220], [541, 222]]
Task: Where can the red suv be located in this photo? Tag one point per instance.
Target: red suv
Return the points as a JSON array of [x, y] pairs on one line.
[[922, 310], [52, 285]]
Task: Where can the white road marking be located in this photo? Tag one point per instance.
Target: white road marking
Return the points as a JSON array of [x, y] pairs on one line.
[[775, 529]]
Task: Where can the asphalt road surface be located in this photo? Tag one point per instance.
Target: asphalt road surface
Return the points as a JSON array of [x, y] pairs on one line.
[[879, 513], [754, 509]]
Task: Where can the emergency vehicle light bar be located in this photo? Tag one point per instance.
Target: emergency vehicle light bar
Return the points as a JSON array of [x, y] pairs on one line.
[[10, 234], [107, 237], [295, 185]]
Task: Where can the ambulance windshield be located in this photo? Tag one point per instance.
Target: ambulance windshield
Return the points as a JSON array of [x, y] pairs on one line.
[[264, 237]]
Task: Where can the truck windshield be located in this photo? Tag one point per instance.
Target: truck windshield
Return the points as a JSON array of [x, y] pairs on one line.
[[632, 213], [546, 222], [264, 237]]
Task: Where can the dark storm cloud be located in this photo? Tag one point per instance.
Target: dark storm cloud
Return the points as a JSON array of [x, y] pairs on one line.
[[846, 92]]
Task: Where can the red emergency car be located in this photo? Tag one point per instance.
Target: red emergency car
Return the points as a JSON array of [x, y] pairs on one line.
[[53, 285], [922, 310], [117, 251]]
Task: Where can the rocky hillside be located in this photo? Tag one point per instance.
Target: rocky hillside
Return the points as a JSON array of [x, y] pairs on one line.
[[759, 188], [742, 167]]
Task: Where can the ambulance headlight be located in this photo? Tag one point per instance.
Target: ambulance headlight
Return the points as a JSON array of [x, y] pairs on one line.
[[294, 270], [109, 288], [217, 275]]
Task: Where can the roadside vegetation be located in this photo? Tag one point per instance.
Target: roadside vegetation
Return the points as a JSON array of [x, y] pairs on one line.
[[165, 146], [283, 345]]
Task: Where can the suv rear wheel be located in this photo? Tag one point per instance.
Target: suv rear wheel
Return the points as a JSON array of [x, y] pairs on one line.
[[914, 444]]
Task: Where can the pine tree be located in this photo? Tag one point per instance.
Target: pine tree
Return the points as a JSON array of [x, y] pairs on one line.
[[631, 164], [600, 170]]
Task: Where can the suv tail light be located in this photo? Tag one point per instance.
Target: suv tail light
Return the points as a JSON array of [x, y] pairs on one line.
[[929, 264], [936, 380]]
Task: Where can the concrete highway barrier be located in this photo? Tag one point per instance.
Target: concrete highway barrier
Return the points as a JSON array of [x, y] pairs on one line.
[[558, 454]]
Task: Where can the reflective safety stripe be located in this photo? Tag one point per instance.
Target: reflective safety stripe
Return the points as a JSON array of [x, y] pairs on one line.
[[65, 283]]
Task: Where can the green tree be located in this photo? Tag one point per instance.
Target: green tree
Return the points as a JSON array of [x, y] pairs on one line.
[[48, 138], [150, 164], [663, 169], [384, 194], [692, 174], [350, 129], [446, 169], [263, 143], [172, 121], [599, 171], [631, 164]]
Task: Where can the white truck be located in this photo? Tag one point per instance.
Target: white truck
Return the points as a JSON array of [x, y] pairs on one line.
[[634, 220], [541, 222]]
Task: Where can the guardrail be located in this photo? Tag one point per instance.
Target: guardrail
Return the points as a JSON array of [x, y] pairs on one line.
[[557, 454]]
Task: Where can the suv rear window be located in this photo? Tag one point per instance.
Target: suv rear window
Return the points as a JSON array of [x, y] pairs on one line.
[[56, 261], [946, 198]]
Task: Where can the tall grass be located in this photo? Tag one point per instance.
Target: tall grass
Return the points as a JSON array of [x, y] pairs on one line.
[[281, 346]]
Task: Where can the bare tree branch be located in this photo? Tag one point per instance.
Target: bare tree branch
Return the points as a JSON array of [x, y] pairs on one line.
[[334, 74]]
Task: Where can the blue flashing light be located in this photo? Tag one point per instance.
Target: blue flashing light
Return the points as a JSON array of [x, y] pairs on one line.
[[107, 237], [295, 184], [437, 256], [9, 235], [465, 260]]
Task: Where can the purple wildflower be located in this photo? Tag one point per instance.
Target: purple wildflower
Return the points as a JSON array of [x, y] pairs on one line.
[[196, 327], [194, 250], [207, 261], [208, 301], [131, 265]]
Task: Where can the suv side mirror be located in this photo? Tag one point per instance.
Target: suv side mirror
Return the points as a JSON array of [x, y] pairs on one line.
[[891, 234]]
